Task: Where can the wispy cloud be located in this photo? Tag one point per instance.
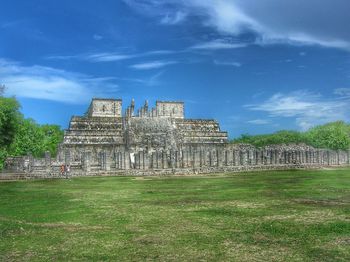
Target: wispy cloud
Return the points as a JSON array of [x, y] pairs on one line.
[[106, 57], [48, 83], [152, 65], [259, 122], [227, 63], [218, 44], [307, 108], [342, 92], [174, 18], [111, 56], [97, 37]]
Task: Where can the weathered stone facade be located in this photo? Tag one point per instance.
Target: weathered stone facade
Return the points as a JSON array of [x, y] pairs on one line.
[[161, 141], [104, 130]]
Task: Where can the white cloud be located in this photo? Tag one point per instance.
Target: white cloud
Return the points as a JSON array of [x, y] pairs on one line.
[[152, 65], [227, 63], [217, 44], [51, 84], [259, 122], [307, 108]]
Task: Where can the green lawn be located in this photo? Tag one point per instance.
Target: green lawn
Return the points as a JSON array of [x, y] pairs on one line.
[[257, 216]]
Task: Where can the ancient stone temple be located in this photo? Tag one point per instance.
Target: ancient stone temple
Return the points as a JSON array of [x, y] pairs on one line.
[[106, 129]]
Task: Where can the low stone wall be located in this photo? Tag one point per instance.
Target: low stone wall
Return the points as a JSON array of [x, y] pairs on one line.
[[232, 158]]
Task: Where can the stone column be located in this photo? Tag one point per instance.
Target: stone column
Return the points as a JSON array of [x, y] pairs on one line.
[[197, 159], [126, 160], [290, 159], [118, 160], [117, 163], [137, 160], [187, 158], [240, 157], [48, 162], [328, 157], [165, 160], [273, 157], [277, 157], [200, 158], [310, 157], [108, 161], [257, 157], [176, 159], [103, 160], [67, 157], [122, 160], [218, 157], [86, 161], [193, 159], [154, 160], [234, 157]]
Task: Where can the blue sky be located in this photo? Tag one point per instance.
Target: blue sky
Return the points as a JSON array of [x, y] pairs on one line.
[[256, 66]]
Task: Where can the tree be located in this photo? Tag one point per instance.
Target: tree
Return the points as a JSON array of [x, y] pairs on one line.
[[20, 136], [9, 118], [2, 89], [280, 137], [335, 135], [36, 139], [29, 139], [53, 135]]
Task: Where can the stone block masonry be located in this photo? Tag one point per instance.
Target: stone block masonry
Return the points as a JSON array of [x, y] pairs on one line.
[[161, 140]]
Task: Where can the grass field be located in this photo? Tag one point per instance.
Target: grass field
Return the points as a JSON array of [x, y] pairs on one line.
[[266, 216]]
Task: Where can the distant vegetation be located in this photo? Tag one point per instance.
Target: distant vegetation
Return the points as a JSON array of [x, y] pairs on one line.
[[335, 135], [20, 136]]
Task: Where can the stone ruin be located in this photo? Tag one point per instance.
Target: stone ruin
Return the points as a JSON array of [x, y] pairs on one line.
[[160, 140]]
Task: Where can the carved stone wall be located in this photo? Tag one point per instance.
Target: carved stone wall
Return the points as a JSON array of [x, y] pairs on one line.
[[100, 107], [170, 109]]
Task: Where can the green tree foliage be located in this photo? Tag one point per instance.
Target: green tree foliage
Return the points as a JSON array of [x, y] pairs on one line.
[[20, 136], [29, 139], [335, 135], [280, 137], [53, 135], [35, 139]]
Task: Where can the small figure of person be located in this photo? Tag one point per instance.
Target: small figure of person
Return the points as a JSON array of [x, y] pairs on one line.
[[62, 169], [67, 170]]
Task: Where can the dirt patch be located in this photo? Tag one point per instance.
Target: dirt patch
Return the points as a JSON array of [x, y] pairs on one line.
[[321, 202], [242, 204], [309, 217], [149, 240], [69, 227]]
